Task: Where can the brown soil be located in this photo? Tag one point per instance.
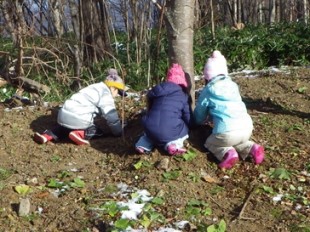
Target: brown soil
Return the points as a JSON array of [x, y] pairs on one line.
[[243, 197]]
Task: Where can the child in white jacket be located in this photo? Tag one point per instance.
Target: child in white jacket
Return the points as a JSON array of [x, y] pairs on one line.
[[221, 102], [76, 117]]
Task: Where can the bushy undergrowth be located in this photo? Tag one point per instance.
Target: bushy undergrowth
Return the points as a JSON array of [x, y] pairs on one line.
[[257, 47], [253, 47]]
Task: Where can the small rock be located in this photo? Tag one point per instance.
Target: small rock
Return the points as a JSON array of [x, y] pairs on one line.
[[163, 164], [160, 193], [94, 229], [24, 207], [33, 181], [209, 179]]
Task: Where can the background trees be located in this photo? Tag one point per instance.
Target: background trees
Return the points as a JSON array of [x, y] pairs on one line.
[[71, 39]]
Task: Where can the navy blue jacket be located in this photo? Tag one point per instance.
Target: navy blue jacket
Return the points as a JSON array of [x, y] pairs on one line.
[[168, 116]]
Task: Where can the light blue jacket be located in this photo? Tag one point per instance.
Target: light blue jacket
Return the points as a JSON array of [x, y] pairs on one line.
[[220, 99]]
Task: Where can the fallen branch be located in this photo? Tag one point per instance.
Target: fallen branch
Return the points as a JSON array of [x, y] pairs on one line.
[[29, 85], [240, 215]]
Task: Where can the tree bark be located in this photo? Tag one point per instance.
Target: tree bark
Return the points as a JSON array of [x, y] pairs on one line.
[[306, 12], [179, 23], [272, 10], [75, 19], [96, 41], [56, 14]]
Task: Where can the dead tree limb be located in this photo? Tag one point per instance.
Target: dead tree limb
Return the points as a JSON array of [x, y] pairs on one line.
[[29, 85], [240, 215]]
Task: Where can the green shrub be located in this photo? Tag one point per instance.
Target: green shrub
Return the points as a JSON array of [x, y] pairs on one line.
[[254, 47]]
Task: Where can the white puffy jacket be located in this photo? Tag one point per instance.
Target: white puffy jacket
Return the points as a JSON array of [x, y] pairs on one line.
[[79, 111]]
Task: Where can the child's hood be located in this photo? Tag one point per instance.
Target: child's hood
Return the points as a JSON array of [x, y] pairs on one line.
[[224, 88], [164, 89]]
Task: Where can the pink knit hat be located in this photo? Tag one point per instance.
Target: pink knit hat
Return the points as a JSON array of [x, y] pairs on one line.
[[176, 75], [215, 66]]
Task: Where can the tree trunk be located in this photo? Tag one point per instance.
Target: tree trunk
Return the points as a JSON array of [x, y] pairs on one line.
[[74, 13], [212, 19], [179, 23], [272, 10], [56, 14], [97, 44], [306, 12]]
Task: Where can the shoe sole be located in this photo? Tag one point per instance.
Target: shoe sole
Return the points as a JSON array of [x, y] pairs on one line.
[[39, 138], [78, 140]]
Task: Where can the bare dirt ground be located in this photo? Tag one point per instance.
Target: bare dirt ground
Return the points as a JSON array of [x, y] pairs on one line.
[[274, 196]]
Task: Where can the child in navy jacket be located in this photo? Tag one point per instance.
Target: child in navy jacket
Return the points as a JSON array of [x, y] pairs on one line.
[[166, 123]]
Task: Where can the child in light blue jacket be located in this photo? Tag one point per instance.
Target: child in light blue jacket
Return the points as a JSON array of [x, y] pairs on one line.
[[220, 102]]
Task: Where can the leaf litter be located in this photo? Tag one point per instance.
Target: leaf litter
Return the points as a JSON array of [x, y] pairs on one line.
[[281, 121]]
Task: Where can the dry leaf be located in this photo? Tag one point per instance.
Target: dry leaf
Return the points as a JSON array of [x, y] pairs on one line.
[[209, 179]]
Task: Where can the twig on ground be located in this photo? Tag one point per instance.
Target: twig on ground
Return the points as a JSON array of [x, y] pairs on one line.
[[214, 201], [240, 215]]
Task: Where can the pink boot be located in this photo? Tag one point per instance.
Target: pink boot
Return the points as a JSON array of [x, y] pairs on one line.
[[230, 159], [140, 150], [173, 150], [258, 154]]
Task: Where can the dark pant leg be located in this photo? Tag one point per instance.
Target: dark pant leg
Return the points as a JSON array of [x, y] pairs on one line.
[[93, 132], [58, 132]]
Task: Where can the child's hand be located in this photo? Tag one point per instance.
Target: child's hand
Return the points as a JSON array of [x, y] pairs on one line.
[[208, 122]]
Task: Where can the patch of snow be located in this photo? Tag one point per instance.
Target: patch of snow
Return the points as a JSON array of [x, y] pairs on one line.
[[305, 173], [181, 224], [298, 207], [167, 230], [198, 78], [277, 198], [133, 211]]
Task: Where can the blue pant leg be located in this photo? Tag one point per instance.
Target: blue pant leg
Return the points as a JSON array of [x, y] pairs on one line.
[[145, 142]]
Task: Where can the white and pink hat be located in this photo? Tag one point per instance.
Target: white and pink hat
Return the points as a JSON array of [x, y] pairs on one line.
[[216, 65]]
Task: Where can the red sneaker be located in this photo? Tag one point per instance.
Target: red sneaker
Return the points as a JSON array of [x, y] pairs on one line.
[[42, 138], [230, 159], [258, 153], [173, 150], [78, 137]]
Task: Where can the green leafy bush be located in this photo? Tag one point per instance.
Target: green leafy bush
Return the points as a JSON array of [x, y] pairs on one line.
[[254, 47]]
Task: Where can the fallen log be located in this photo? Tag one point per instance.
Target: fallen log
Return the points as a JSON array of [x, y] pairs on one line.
[[29, 85]]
